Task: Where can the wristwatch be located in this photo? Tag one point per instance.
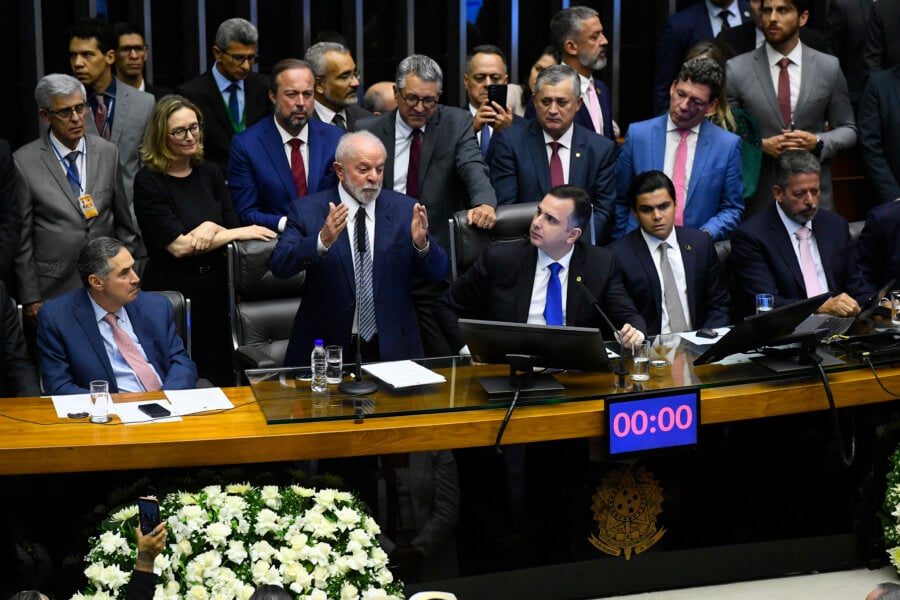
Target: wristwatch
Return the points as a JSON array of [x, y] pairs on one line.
[[817, 151]]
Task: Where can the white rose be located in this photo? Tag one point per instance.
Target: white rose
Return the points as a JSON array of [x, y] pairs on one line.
[[298, 541], [372, 593], [384, 577], [93, 571], [378, 555], [320, 576], [236, 552], [112, 543], [197, 592], [266, 521], [260, 572], [349, 591], [326, 498], [371, 527], [262, 550], [246, 592], [217, 534], [113, 577], [161, 563], [183, 548], [343, 496], [347, 517], [186, 498], [271, 496], [317, 595], [360, 537]]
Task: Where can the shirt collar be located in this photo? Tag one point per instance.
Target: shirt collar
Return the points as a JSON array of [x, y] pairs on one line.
[[544, 260], [62, 149], [326, 115], [795, 55], [791, 226], [715, 10], [223, 82], [100, 312], [286, 137], [653, 242], [671, 126], [404, 130], [565, 140]]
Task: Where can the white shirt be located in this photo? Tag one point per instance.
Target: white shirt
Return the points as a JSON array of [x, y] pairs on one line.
[[795, 70], [303, 136], [326, 115], [673, 138], [539, 289], [402, 142], [734, 19], [564, 150], [677, 263], [62, 151], [792, 227]]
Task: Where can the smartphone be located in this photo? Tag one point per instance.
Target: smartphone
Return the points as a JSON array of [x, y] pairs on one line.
[[154, 410], [148, 509], [497, 93]]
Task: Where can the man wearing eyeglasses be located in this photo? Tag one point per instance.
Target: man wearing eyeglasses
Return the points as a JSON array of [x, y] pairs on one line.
[[118, 112], [70, 189], [487, 66], [230, 95], [432, 156], [337, 83], [131, 56]]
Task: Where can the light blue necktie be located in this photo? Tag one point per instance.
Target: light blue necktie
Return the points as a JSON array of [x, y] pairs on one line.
[[553, 309]]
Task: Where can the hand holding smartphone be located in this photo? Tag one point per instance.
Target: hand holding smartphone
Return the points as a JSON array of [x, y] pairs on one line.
[[148, 510]]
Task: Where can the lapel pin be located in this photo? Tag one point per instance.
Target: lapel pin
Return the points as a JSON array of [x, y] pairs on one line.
[[578, 278], [578, 155], [688, 247]]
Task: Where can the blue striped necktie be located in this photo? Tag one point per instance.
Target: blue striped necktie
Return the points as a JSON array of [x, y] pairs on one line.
[[363, 266]]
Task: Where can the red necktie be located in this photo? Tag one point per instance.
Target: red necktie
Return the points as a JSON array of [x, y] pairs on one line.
[[100, 118], [412, 174], [556, 170], [297, 168], [133, 356], [784, 92], [679, 175]]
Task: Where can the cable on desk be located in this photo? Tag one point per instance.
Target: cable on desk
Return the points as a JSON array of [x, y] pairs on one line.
[[877, 378], [847, 460], [512, 407]]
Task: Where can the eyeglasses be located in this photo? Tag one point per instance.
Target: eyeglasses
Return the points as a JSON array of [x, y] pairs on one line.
[[412, 101], [66, 113], [126, 50], [240, 59], [182, 132]]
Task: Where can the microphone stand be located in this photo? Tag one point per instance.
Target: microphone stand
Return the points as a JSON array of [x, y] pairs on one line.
[[358, 387], [620, 372]]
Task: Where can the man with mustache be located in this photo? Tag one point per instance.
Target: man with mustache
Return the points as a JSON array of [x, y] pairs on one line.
[[283, 157], [793, 250], [337, 83], [358, 242], [792, 91], [111, 330]]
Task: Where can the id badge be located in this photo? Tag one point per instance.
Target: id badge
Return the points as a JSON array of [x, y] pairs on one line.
[[87, 206]]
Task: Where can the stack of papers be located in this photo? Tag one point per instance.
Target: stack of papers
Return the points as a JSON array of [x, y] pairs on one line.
[[403, 373], [180, 403]]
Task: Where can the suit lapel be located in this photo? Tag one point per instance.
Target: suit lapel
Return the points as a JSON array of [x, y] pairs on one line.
[[215, 99], [342, 245], [807, 78], [764, 80], [51, 161], [658, 143], [317, 166], [141, 325], [386, 133], [825, 253], [783, 245], [691, 269], [385, 224], [642, 253], [93, 165], [701, 156], [577, 164], [538, 152], [271, 143], [432, 134], [122, 104], [83, 313]]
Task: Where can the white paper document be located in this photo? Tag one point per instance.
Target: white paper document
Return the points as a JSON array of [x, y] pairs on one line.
[[189, 402], [693, 338], [72, 403], [403, 373], [130, 414]]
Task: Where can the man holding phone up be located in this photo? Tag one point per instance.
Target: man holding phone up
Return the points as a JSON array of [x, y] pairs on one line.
[[485, 80]]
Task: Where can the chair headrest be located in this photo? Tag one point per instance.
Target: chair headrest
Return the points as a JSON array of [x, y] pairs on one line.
[[252, 278]]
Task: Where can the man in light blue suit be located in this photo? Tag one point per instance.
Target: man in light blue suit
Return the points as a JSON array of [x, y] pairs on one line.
[[318, 241], [710, 187], [264, 175], [77, 344]]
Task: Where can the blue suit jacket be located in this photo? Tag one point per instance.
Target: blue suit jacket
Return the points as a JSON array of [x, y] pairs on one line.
[[329, 296], [683, 30], [715, 192], [72, 352], [763, 256], [520, 169], [583, 117], [259, 174], [708, 298]]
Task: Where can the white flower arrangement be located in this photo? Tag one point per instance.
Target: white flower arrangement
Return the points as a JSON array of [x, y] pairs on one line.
[[223, 543]]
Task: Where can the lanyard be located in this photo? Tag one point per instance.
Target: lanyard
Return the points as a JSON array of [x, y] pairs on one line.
[[65, 163]]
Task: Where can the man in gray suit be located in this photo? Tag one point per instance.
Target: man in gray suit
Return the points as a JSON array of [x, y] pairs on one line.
[[432, 155], [337, 83], [813, 92], [119, 112], [70, 189]]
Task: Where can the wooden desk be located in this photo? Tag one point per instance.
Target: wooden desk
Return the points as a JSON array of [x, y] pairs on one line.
[[34, 440]]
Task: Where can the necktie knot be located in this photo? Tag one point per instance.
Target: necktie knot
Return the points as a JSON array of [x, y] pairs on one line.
[[554, 146], [73, 156], [803, 233], [339, 121], [295, 143], [724, 15], [555, 268], [784, 62], [663, 247], [232, 88], [684, 133], [416, 134]]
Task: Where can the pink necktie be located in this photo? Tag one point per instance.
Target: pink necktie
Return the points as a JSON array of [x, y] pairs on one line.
[[679, 175], [100, 116], [784, 92], [133, 356], [556, 170], [810, 278], [594, 108]]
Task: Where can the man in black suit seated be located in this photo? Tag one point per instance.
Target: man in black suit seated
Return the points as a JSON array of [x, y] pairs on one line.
[[230, 95], [793, 250], [511, 282], [671, 273]]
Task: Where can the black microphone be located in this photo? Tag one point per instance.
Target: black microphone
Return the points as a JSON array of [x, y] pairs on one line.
[[359, 387], [621, 372]]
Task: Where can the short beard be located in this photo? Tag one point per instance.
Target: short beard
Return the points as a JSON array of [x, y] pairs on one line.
[[361, 195], [598, 63]]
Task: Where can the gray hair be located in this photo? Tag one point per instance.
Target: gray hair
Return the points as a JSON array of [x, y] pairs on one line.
[[346, 147], [315, 55], [423, 67], [556, 74], [566, 23], [236, 30], [794, 162], [93, 258], [703, 70], [56, 84]]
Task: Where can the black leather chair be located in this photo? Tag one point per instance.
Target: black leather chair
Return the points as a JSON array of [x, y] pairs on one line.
[[468, 242], [262, 307], [181, 308]]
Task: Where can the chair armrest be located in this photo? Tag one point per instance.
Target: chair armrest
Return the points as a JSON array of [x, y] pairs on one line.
[[251, 357]]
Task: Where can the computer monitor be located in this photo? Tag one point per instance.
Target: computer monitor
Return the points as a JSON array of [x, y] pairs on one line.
[[759, 330]]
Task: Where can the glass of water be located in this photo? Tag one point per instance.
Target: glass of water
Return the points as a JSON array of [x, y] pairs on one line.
[[100, 401], [334, 363], [640, 369], [764, 303]]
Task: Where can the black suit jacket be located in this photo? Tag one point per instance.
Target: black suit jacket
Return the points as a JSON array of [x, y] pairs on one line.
[[845, 34], [708, 298], [882, 50], [17, 375], [217, 128], [763, 257], [10, 215], [741, 39], [879, 133], [879, 246], [498, 288]]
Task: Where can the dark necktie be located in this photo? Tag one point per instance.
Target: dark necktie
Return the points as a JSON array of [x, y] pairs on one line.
[[367, 326], [674, 308], [339, 121], [784, 92], [100, 117], [297, 168], [72, 174], [412, 174], [233, 107], [485, 139], [556, 170], [553, 309], [724, 16], [133, 356]]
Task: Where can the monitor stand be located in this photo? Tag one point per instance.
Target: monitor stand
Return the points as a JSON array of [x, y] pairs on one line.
[[802, 358], [522, 379]]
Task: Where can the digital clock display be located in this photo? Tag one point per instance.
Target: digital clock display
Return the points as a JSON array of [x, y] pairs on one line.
[[653, 421]]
